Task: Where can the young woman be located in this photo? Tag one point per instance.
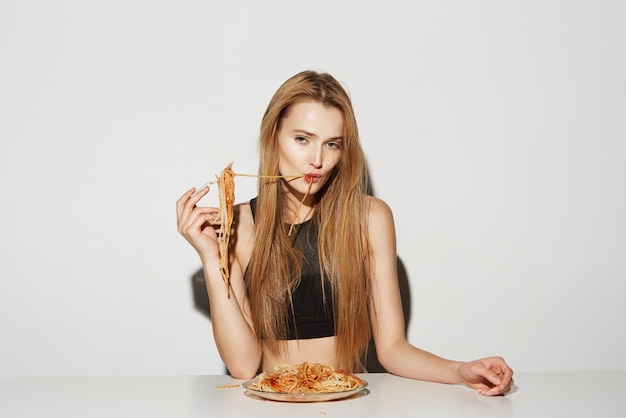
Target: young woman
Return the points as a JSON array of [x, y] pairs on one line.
[[313, 257]]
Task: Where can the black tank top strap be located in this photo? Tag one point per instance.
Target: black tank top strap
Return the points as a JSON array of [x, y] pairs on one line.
[[253, 202]]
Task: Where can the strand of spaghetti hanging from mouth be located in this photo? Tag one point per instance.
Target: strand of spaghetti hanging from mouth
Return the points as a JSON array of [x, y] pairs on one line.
[[295, 215], [226, 196]]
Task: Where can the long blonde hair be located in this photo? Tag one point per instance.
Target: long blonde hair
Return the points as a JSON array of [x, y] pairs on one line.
[[275, 266]]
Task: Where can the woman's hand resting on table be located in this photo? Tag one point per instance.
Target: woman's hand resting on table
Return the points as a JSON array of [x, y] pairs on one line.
[[490, 376]]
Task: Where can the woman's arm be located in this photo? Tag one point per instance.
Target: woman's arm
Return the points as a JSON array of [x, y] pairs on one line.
[[230, 317], [490, 376]]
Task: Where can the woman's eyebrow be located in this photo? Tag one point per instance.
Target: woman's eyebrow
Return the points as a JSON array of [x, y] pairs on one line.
[[302, 131]]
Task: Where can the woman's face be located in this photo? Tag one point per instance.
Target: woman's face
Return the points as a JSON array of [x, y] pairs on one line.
[[310, 142]]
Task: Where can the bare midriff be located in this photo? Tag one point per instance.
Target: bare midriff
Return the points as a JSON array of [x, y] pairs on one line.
[[315, 350]]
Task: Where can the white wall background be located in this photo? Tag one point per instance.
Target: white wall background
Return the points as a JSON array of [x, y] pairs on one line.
[[495, 130]]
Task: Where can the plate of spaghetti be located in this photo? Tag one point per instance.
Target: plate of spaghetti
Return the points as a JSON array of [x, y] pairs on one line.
[[305, 382]]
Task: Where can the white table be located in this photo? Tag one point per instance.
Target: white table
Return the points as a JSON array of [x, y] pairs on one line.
[[567, 394]]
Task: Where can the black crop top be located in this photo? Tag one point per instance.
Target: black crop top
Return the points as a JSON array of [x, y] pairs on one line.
[[313, 317]]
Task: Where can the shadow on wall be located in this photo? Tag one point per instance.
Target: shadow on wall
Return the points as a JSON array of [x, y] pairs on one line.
[[201, 304]]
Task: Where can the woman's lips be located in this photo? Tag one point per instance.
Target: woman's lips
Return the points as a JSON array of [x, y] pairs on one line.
[[312, 178]]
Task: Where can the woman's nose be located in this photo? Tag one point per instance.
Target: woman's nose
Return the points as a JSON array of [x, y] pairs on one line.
[[316, 158]]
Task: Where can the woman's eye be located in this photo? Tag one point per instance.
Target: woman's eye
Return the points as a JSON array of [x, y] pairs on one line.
[[334, 145], [300, 139]]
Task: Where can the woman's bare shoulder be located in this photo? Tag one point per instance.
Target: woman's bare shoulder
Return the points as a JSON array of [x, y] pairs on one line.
[[377, 208], [381, 227], [242, 213]]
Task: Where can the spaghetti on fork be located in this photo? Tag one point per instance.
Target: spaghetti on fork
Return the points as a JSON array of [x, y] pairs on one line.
[[226, 195]]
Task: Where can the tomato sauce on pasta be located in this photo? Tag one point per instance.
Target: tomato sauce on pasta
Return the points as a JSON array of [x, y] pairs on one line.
[[306, 378]]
